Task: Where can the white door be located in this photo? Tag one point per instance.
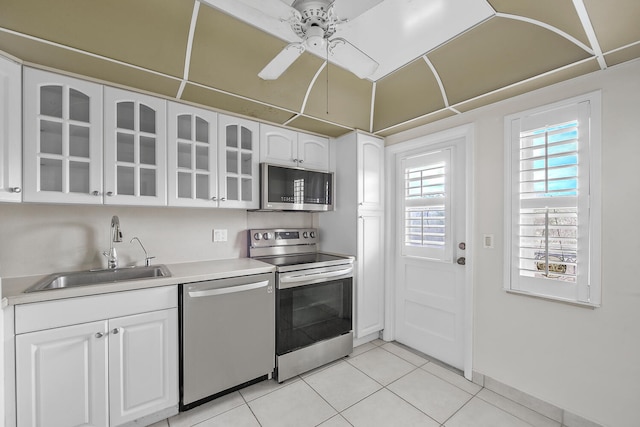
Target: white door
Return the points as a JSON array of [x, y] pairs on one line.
[[143, 364], [430, 234], [61, 376]]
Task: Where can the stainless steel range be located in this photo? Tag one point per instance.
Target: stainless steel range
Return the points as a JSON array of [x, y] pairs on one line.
[[314, 296]]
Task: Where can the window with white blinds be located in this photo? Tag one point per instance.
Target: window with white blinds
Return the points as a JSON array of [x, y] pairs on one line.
[[427, 205], [551, 182]]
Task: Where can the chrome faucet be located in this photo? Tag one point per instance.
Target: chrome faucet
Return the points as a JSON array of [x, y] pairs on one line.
[[147, 258], [115, 236]]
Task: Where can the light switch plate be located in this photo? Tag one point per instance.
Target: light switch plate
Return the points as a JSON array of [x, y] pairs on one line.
[[488, 241], [220, 235]]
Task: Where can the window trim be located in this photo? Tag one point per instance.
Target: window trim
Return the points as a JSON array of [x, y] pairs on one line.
[[589, 295]]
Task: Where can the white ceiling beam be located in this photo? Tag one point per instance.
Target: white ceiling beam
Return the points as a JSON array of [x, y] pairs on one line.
[[187, 56], [550, 28], [591, 34]]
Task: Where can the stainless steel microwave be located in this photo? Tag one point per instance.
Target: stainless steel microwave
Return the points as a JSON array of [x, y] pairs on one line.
[[295, 189]]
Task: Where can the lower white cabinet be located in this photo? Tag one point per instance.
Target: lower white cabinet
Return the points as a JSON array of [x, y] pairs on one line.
[[62, 376], [112, 372]]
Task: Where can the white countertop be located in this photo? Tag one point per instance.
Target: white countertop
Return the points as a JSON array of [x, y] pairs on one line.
[[12, 288]]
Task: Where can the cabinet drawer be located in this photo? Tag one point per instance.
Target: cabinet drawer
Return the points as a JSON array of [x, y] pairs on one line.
[[54, 314]]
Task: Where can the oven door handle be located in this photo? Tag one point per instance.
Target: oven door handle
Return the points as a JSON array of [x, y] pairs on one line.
[[291, 281], [228, 290]]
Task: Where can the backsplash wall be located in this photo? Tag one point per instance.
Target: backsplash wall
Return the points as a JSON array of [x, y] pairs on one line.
[[42, 239]]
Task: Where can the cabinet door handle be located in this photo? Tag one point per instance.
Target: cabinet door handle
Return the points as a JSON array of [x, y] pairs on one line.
[[115, 331], [99, 335], [16, 190], [300, 161], [109, 193], [214, 198], [95, 193], [223, 199]]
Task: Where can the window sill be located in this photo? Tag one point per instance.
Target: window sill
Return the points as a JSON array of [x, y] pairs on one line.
[[549, 298]]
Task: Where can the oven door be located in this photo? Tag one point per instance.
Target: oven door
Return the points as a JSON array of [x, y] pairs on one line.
[[312, 306]]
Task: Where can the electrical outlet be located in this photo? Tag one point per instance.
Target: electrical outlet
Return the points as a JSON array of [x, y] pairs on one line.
[[219, 235]]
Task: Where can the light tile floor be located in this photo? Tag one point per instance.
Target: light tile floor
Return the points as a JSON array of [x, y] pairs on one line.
[[379, 384]]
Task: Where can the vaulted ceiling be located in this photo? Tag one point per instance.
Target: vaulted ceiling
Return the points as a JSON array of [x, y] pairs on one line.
[[195, 52]]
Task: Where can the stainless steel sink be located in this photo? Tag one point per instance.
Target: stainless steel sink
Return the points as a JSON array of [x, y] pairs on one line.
[[94, 277]]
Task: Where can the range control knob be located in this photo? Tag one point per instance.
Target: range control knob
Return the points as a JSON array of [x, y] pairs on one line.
[[305, 234], [257, 236], [312, 234], [267, 236]]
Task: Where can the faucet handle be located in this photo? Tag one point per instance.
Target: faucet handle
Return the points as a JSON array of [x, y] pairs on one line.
[[147, 260]]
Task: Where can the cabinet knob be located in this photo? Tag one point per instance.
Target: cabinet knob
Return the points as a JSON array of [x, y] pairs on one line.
[[300, 161], [295, 160], [214, 198], [109, 193], [115, 331], [223, 199], [95, 193], [99, 335], [461, 261], [15, 190]]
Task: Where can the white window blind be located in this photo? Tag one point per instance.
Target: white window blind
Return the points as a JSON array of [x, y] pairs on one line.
[[550, 222], [427, 205]]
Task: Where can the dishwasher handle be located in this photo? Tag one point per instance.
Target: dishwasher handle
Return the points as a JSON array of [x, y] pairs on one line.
[[229, 290]]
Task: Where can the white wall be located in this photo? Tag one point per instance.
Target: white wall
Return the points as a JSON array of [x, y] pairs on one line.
[[586, 361], [40, 238]]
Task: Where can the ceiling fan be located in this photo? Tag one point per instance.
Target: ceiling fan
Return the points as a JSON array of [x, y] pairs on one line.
[[315, 22]]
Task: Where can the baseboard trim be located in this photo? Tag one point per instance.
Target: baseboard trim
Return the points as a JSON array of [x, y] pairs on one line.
[[566, 418]]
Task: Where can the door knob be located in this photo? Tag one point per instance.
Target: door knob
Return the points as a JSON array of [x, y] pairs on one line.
[[461, 261]]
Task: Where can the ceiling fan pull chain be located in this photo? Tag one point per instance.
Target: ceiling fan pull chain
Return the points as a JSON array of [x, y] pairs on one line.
[[327, 65]]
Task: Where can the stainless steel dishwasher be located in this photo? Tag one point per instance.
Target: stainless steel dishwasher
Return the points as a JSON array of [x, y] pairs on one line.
[[227, 336]]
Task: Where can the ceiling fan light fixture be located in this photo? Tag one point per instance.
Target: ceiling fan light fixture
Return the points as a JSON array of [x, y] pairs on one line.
[[315, 37]]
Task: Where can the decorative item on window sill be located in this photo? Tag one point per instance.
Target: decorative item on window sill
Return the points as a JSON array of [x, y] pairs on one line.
[[557, 262], [554, 267]]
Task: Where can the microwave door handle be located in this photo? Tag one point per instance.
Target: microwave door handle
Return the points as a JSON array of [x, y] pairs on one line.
[[315, 276], [228, 290]]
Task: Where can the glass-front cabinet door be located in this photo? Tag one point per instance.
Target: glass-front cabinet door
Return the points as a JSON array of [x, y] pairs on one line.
[[62, 139], [135, 148], [238, 163], [191, 157]]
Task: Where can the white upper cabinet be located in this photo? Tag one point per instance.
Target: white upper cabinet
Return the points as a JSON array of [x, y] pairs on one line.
[[278, 146], [370, 158], [62, 139], [10, 131], [238, 163], [135, 148], [192, 168], [313, 152], [287, 147]]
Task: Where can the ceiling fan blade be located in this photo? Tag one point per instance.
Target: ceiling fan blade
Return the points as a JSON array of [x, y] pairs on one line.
[[282, 61], [350, 57]]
